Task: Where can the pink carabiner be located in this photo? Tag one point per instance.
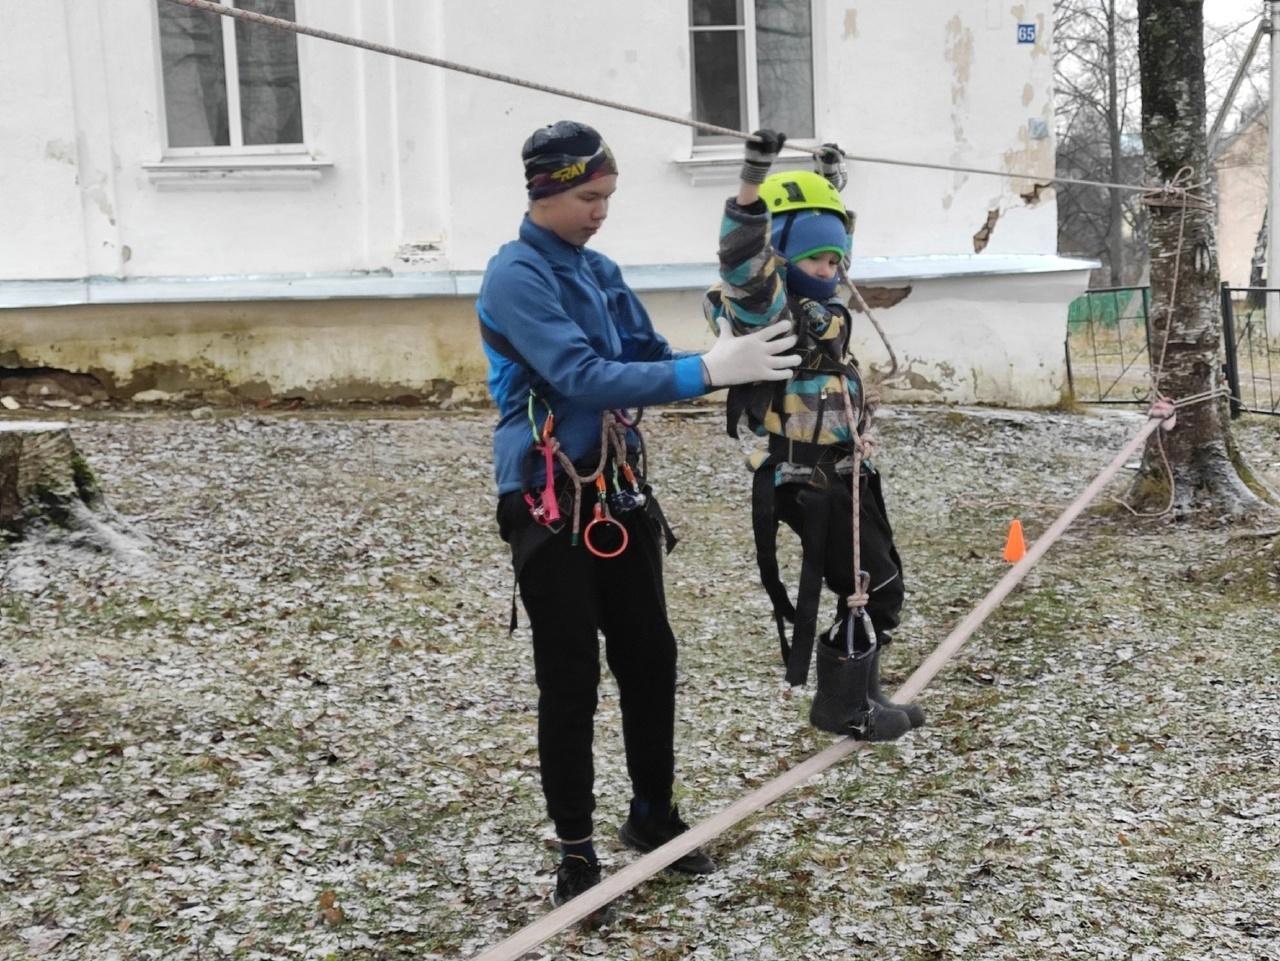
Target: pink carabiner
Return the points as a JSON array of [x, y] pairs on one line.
[[549, 505]]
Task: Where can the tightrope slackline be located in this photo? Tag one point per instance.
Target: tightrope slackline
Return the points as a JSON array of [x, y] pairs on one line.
[[622, 881]]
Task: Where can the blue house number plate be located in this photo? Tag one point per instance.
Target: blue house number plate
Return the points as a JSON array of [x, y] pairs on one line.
[[1026, 33]]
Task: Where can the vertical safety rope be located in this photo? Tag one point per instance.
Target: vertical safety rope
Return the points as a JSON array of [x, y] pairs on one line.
[[862, 306], [860, 597]]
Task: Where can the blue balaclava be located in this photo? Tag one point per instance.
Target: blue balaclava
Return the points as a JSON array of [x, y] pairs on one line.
[[806, 233]]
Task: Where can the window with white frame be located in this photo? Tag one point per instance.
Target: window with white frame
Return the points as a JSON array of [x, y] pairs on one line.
[[753, 65], [227, 82]]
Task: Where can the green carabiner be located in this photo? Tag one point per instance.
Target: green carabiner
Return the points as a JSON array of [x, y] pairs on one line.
[[548, 424]]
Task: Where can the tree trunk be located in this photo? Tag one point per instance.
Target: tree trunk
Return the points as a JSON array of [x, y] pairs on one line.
[[41, 474], [1186, 324]]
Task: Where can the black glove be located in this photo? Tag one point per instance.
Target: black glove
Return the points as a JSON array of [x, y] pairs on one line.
[[762, 148], [830, 163]]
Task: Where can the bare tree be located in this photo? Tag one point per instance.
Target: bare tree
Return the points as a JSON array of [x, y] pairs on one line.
[[1098, 121], [1206, 466], [1095, 78]]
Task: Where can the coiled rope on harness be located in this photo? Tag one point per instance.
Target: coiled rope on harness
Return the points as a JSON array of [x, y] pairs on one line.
[[614, 426]]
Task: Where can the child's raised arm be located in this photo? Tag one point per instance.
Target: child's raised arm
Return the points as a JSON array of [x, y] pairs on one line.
[[750, 294]]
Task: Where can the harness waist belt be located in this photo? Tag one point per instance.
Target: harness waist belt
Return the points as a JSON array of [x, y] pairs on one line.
[[810, 455]]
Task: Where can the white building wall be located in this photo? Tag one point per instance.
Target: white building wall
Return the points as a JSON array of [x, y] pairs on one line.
[[947, 83], [411, 176], [41, 228], [430, 158]]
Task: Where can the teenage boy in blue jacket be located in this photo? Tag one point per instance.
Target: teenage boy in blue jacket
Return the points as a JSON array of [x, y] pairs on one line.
[[564, 334]]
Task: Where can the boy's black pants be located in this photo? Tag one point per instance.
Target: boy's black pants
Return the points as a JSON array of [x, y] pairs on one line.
[[571, 596]]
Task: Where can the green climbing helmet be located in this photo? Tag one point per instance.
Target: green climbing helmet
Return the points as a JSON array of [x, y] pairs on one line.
[[802, 190]]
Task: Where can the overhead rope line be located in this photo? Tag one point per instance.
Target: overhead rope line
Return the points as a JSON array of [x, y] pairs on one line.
[[291, 26], [645, 867], [251, 16]]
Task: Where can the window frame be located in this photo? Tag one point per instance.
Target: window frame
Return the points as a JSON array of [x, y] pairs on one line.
[[749, 75], [235, 124]]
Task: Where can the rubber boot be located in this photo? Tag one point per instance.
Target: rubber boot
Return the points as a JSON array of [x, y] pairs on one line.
[[842, 702], [913, 711]]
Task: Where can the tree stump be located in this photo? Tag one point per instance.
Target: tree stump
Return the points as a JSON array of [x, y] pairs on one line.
[[42, 476]]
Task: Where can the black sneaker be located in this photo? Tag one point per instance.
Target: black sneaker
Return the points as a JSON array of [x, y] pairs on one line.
[[645, 834], [574, 875]]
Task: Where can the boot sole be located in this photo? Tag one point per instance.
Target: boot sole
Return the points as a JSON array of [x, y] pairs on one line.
[[599, 918]]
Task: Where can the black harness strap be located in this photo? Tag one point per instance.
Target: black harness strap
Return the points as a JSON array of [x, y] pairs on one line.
[[764, 522], [815, 510]]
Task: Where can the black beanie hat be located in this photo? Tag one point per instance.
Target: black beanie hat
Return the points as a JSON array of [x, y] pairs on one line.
[[562, 155]]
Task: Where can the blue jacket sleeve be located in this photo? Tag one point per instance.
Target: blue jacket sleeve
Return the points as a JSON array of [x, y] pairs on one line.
[[553, 344]]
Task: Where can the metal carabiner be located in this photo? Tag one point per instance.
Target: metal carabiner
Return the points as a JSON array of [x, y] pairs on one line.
[[548, 423], [864, 585]]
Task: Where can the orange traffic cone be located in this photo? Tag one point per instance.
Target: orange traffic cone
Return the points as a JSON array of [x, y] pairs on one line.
[[1015, 548]]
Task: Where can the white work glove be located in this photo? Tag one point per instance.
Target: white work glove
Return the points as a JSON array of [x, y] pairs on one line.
[[751, 357]]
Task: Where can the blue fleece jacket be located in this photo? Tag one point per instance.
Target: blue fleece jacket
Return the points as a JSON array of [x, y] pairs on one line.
[[587, 344]]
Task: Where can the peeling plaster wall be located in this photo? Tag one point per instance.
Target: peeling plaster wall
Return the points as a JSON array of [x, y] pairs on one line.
[[961, 340], [948, 84]]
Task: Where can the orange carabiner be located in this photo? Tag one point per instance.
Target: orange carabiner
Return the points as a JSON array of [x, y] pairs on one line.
[[603, 517]]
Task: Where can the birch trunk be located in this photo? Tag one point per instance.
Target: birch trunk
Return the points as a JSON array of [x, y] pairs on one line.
[[1186, 334]]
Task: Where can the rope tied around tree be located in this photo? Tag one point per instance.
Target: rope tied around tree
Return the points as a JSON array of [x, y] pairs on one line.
[[1180, 193]]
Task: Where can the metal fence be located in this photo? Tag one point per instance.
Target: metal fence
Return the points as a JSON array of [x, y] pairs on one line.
[[1253, 357], [1108, 347]]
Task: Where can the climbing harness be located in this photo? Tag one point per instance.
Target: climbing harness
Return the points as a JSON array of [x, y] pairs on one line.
[[628, 493], [629, 490]]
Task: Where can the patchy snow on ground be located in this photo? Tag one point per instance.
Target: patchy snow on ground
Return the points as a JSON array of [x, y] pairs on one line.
[[297, 726]]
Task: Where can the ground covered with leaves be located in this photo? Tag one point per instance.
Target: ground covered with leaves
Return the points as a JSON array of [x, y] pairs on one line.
[[296, 726]]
